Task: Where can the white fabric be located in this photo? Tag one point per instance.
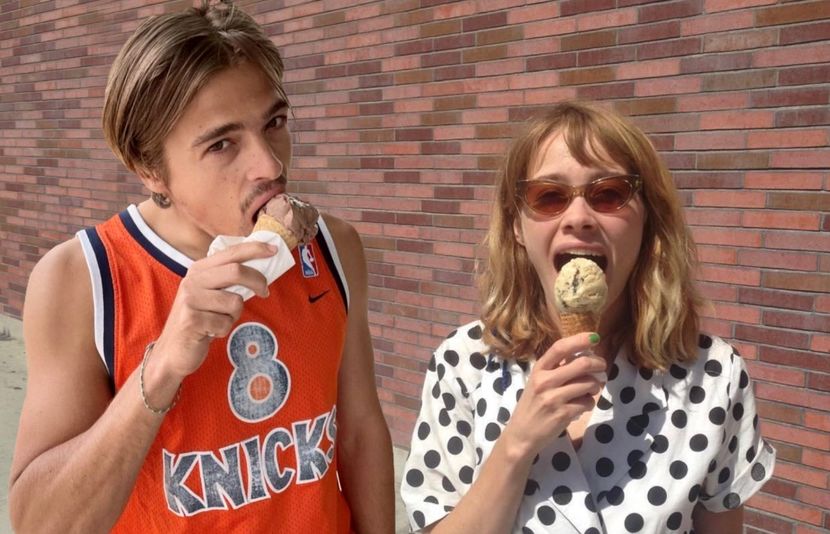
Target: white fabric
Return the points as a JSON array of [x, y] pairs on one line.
[[655, 445], [271, 267]]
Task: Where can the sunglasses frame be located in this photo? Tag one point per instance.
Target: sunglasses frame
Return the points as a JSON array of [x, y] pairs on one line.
[[633, 180]]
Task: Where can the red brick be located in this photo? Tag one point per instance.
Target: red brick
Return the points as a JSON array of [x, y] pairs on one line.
[[778, 219], [790, 97], [740, 80], [790, 13], [771, 336], [741, 40], [802, 117], [780, 260], [720, 22], [792, 55], [787, 508], [766, 522]]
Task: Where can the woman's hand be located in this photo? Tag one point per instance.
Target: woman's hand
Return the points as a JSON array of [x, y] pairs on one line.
[[560, 389]]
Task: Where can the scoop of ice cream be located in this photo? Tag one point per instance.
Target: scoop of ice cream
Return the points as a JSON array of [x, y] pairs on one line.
[[580, 287], [291, 218]]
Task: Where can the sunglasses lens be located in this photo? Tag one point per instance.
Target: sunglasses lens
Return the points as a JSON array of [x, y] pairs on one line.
[[609, 195], [546, 198]]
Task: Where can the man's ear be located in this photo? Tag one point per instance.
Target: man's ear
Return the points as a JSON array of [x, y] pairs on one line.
[[517, 231], [151, 180]]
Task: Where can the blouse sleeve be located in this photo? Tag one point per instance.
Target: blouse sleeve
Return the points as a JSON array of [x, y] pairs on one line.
[[745, 461], [442, 457]]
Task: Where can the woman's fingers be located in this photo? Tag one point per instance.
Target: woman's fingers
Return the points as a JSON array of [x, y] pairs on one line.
[[564, 349]]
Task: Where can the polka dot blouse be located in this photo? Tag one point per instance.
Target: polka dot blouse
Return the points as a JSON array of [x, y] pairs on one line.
[[656, 443]]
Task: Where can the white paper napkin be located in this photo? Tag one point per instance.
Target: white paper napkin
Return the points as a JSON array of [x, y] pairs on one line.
[[272, 267]]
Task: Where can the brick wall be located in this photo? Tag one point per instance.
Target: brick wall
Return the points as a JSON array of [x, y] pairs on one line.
[[402, 110]]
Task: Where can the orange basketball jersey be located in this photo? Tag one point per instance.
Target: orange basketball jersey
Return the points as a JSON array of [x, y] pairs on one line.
[[250, 446]]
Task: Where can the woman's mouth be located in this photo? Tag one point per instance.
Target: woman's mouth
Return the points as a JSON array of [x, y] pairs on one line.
[[562, 258]]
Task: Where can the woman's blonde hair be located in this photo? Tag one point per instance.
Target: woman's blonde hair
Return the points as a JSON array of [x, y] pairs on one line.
[[662, 300], [162, 66]]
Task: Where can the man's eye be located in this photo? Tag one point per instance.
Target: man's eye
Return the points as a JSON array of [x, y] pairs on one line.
[[218, 146], [276, 122]]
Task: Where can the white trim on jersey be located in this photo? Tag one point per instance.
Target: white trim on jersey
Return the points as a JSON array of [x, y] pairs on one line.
[[321, 225], [156, 240], [97, 293]]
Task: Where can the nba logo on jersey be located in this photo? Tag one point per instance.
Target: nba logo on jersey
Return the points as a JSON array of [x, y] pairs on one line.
[[308, 261]]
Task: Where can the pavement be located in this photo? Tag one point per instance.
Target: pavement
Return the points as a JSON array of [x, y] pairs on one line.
[[12, 389]]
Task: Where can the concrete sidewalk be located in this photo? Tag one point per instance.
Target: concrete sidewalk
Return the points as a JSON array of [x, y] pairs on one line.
[[12, 389]]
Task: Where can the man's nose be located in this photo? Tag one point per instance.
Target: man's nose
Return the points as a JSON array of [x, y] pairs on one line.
[[264, 163]]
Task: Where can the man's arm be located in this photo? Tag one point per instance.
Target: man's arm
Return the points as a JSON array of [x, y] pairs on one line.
[[364, 445], [75, 459], [79, 449]]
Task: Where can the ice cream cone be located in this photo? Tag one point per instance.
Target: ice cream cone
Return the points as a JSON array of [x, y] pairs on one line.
[[574, 323], [266, 222]]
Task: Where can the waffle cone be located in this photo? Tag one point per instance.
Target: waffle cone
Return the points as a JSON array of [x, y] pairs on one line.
[[266, 222], [575, 323]]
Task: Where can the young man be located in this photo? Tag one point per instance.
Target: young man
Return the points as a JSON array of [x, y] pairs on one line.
[[157, 400]]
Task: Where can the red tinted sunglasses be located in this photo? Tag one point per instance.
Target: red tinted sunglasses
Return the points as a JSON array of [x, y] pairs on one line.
[[604, 195]]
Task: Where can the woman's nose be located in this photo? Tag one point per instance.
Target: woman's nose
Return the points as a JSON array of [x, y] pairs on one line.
[[578, 215]]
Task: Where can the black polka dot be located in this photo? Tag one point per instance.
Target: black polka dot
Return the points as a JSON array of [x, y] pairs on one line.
[[492, 432], [592, 530], [633, 522], [603, 403], [464, 428], [677, 371], [449, 401], [645, 373], [678, 418], [562, 495], [712, 466], [627, 394], [455, 445], [713, 368], [561, 461], [465, 474], [474, 332], [531, 487], [656, 496], [441, 369], [419, 518], [638, 470], [478, 361], [704, 341], [481, 407], [444, 417], [733, 443], [637, 424], [694, 493], [750, 454], [678, 469], [650, 407], [604, 433], [463, 387], [431, 498], [615, 496], [519, 394], [546, 515], [697, 394], [479, 455], [634, 457], [589, 503], [660, 444], [732, 501], [613, 372], [724, 475], [414, 478], [605, 467], [717, 415], [758, 472], [451, 357], [447, 485], [423, 430], [504, 415], [737, 411], [698, 442], [436, 391], [432, 459], [674, 521], [744, 380], [526, 530], [755, 422]]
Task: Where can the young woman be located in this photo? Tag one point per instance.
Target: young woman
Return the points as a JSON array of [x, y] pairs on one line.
[[655, 430]]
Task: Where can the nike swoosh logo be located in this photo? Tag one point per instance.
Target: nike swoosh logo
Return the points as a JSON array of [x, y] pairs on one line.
[[314, 298]]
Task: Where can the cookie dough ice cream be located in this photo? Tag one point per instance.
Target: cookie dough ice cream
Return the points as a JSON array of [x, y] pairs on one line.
[[580, 294]]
